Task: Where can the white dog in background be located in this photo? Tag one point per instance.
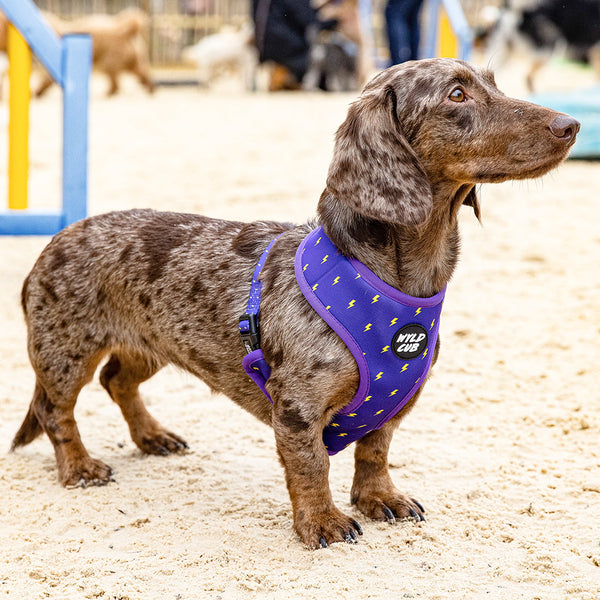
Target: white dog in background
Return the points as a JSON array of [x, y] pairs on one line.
[[228, 51]]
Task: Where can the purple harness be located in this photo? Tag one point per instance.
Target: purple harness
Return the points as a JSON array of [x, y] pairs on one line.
[[391, 336]]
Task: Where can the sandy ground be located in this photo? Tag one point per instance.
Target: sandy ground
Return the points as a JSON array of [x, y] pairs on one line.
[[503, 448]]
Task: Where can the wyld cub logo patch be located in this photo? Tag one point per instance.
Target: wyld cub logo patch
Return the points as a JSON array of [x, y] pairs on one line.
[[410, 341]]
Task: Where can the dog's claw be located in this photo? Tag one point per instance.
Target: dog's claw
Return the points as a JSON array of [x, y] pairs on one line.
[[419, 505], [322, 542], [351, 538], [357, 526], [389, 515], [162, 443]]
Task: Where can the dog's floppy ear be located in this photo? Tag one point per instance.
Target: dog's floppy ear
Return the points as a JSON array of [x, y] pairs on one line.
[[472, 199], [374, 170]]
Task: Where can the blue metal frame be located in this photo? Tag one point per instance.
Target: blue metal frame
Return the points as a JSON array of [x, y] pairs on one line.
[[429, 46], [457, 21], [68, 60]]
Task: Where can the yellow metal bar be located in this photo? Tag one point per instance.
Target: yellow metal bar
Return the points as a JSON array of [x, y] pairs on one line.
[[19, 73], [448, 44]]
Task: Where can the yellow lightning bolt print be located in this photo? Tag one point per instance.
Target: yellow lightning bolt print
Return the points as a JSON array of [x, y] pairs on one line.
[[368, 398], [305, 267], [351, 304], [432, 323], [357, 276], [379, 375], [384, 349], [328, 307], [325, 258], [335, 424], [367, 327], [393, 392], [342, 434], [335, 280], [393, 321], [404, 367], [314, 287], [379, 412], [424, 353], [375, 299], [317, 241], [418, 311], [352, 415]]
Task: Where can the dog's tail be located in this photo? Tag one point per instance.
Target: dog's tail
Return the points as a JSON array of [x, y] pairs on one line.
[[132, 22], [31, 427]]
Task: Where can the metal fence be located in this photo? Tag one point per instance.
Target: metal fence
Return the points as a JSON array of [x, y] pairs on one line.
[[175, 24]]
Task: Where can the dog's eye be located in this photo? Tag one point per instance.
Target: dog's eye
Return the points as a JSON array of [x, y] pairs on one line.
[[457, 95]]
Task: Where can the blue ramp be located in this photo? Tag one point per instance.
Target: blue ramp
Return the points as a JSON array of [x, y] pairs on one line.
[[584, 105]]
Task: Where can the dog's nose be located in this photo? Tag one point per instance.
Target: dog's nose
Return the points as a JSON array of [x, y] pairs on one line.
[[564, 127]]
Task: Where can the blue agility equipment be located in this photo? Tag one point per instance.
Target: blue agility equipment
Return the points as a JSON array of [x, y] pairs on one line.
[[459, 25], [583, 105], [68, 60]]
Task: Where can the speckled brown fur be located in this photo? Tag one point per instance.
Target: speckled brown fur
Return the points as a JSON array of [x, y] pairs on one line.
[[146, 288]]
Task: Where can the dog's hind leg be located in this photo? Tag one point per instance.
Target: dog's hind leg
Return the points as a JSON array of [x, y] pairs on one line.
[[594, 59], [51, 410], [142, 72], [535, 68], [121, 377], [113, 81]]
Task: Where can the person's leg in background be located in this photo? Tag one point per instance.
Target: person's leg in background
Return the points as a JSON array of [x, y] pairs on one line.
[[403, 28]]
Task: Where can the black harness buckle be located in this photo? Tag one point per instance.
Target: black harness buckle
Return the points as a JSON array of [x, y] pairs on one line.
[[251, 337]]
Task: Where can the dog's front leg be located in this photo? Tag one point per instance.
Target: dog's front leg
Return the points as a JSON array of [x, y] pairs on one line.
[[306, 463], [373, 491]]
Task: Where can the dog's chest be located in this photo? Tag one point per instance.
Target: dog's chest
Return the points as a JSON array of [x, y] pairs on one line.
[[391, 335]]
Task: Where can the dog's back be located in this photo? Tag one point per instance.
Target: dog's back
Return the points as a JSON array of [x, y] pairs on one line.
[[118, 44]]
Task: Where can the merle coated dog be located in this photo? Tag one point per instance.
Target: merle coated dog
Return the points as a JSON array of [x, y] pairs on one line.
[[143, 289]]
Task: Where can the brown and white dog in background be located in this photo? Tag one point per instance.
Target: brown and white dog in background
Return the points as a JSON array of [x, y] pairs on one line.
[[145, 289]]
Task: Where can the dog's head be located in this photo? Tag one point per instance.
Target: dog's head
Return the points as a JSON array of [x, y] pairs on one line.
[[424, 128]]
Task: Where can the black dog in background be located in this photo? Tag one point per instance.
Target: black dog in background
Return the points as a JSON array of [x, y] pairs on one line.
[[332, 62], [545, 27]]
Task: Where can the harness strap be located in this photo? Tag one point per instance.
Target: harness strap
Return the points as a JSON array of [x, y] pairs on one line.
[[254, 362]]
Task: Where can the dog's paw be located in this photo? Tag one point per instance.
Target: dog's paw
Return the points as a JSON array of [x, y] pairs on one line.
[[389, 506], [319, 530], [84, 472], [161, 442]]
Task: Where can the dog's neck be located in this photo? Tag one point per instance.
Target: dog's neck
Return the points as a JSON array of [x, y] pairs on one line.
[[418, 261]]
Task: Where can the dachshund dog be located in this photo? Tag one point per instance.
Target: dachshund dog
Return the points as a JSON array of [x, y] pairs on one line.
[[147, 288]]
